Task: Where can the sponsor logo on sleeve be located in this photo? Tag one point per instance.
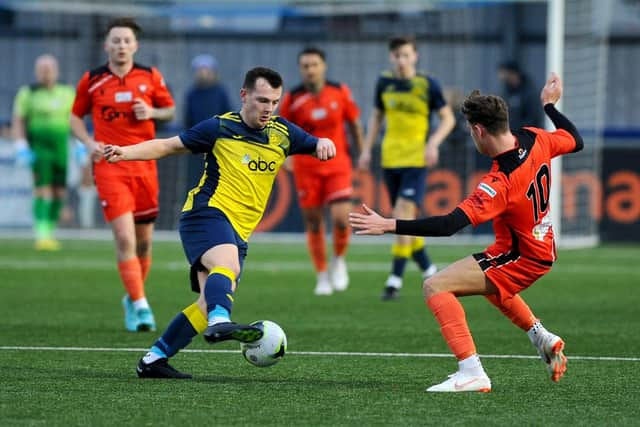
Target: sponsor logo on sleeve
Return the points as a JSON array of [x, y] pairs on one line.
[[487, 189]]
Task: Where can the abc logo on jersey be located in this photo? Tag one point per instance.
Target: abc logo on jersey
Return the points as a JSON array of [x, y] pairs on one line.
[[258, 165]]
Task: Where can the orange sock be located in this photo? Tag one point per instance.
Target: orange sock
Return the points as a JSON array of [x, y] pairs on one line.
[[145, 265], [453, 324], [131, 276], [341, 240], [516, 310], [317, 249]]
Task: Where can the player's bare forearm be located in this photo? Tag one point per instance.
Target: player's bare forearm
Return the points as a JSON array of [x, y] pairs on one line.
[[18, 129], [355, 130], [447, 123], [79, 130], [373, 129], [164, 114], [148, 150]]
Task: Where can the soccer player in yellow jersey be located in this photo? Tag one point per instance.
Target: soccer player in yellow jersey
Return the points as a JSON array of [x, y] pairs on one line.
[[405, 100], [243, 153]]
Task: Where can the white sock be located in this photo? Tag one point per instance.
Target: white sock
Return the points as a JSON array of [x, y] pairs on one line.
[[141, 303], [150, 357], [87, 206], [471, 365], [536, 332], [323, 276], [394, 281]]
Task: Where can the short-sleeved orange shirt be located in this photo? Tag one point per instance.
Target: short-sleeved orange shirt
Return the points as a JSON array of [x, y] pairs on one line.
[[515, 194], [110, 100], [323, 115]]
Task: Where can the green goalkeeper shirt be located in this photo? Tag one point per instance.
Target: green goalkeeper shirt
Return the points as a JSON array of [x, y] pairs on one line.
[[45, 111]]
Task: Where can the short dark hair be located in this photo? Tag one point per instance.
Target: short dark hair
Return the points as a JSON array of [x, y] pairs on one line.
[[271, 76], [510, 65], [397, 41], [124, 21], [490, 111], [312, 50]]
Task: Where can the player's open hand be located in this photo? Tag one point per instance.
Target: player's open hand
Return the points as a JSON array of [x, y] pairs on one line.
[[431, 155], [371, 222], [113, 153], [552, 90], [142, 110], [325, 149]]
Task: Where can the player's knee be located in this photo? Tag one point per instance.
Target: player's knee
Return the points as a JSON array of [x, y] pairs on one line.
[[202, 304], [143, 247], [341, 223], [124, 242], [430, 287]]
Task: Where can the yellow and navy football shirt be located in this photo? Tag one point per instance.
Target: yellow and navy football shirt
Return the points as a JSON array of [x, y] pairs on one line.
[[241, 164], [407, 105]]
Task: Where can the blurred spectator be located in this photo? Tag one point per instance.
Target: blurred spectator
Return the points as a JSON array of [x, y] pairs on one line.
[[41, 131], [5, 130], [521, 96], [205, 98]]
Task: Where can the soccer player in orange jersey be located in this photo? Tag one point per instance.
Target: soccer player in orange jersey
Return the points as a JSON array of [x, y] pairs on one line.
[[124, 98], [324, 108], [515, 195]]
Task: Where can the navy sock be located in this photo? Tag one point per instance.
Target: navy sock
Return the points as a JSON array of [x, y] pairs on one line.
[[218, 290], [186, 325], [421, 258], [397, 268], [177, 336]]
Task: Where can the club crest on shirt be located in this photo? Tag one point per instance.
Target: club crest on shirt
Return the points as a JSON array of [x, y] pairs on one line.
[[142, 88], [521, 153]]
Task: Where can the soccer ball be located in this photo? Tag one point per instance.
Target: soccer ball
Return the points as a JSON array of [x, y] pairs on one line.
[[269, 349]]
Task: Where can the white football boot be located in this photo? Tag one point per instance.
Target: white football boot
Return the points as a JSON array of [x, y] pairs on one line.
[[338, 274], [463, 381], [323, 285], [550, 348]]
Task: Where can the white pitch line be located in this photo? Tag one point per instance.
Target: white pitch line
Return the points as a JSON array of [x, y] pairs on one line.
[[274, 266], [314, 353]]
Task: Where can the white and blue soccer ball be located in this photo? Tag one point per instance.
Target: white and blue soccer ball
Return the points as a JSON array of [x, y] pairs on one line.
[[269, 349]]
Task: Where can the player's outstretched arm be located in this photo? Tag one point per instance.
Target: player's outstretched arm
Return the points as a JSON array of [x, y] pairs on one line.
[[372, 223], [147, 150], [325, 149], [550, 94]]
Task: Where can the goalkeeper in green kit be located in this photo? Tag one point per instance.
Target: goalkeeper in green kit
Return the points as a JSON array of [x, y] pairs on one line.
[[41, 132]]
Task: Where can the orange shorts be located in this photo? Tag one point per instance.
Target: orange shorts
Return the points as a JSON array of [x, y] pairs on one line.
[[319, 187], [122, 194], [511, 273]]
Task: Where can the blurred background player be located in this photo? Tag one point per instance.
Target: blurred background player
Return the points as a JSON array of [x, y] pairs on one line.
[[124, 98], [220, 213], [41, 133], [521, 96], [405, 100], [323, 108], [206, 98], [515, 195]]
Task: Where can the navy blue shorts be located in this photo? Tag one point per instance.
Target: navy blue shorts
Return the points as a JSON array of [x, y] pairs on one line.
[[201, 230], [408, 183]]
